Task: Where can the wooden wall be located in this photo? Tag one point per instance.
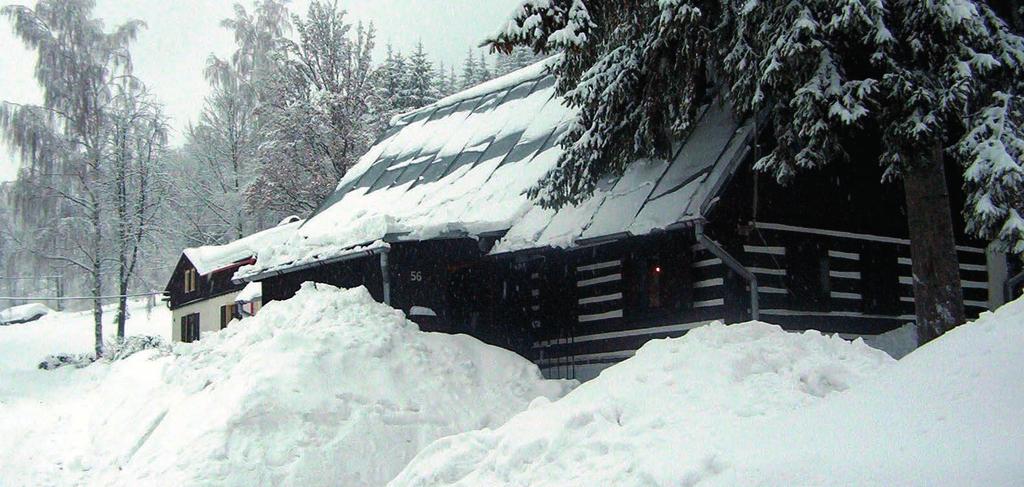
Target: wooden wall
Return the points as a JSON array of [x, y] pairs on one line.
[[363, 271], [615, 297], [854, 284]]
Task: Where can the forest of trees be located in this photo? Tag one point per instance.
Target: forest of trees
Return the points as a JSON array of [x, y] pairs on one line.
[[103, 203]]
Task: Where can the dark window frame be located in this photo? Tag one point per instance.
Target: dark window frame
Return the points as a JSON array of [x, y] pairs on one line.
[[190, 327], [808, 282], [880, 275], [228, 312], [658, 281]]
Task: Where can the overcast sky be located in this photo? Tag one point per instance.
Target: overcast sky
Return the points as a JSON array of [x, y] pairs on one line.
[[171, 52]]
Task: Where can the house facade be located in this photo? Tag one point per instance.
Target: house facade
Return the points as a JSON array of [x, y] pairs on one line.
[[201, 294], [434, 221]]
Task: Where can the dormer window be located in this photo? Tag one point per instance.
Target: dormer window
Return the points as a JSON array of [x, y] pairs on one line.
[[190, 280]]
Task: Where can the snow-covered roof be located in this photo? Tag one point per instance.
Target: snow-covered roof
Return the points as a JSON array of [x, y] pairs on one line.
[[461, 166], [209, 258]]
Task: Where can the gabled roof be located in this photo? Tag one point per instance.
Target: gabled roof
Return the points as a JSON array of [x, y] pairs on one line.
[[210, 258], [461, 166]]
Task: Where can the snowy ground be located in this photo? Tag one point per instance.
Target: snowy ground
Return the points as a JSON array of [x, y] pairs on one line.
[[24, 345], [331, 388], [751, 405], [328, 388]]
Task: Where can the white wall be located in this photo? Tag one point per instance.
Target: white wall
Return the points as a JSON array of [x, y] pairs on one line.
[[209, 315]]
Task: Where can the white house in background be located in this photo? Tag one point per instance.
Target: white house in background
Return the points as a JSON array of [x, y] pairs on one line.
[[200, 293]]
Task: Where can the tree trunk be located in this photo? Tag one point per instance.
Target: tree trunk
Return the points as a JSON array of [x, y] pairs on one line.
[[122, 308], [938, 299], [97, 279], [122, 231]]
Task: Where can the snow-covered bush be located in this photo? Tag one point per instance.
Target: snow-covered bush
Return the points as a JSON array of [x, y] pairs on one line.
[[58, 360], [117, 349], [120, 349]]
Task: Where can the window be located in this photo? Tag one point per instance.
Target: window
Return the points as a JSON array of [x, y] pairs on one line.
[[228, 312], [880, 281], [807, 276], [190, 327], [190, 280], [660, 282]]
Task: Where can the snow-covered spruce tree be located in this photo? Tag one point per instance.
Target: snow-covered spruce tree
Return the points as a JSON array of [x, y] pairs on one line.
[[453, 80], [927, 76], [441, 79], [420, 87], [469, 71], [483, 73], [520, 57], [67, 138], [391, 78]]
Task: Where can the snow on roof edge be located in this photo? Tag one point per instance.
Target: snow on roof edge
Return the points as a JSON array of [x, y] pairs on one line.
[[252, 272], [209, 258]]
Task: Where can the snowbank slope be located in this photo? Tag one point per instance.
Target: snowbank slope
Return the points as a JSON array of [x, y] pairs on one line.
[[751, 405], [327, 388], [948, 414]]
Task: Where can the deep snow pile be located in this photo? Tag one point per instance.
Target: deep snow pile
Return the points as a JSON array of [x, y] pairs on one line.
[[751, 405], [651, 420], [327, 388]]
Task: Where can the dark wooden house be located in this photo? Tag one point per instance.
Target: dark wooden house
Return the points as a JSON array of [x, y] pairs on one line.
[[433, 220]]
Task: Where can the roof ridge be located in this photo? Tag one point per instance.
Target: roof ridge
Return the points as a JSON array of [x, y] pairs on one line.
[[533, 72]]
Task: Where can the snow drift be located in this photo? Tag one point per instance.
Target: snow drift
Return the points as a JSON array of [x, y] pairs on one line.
[[749, 404], [327, 388], [651, 419]]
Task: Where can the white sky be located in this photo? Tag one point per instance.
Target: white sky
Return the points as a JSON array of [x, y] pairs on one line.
[[171, 52]]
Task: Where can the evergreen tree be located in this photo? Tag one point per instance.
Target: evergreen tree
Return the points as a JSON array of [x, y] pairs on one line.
[[483, 73], [518, 58], [925, 75], [441, 81], [420, 89], [503, 64], [469, 71], [391, 76]]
